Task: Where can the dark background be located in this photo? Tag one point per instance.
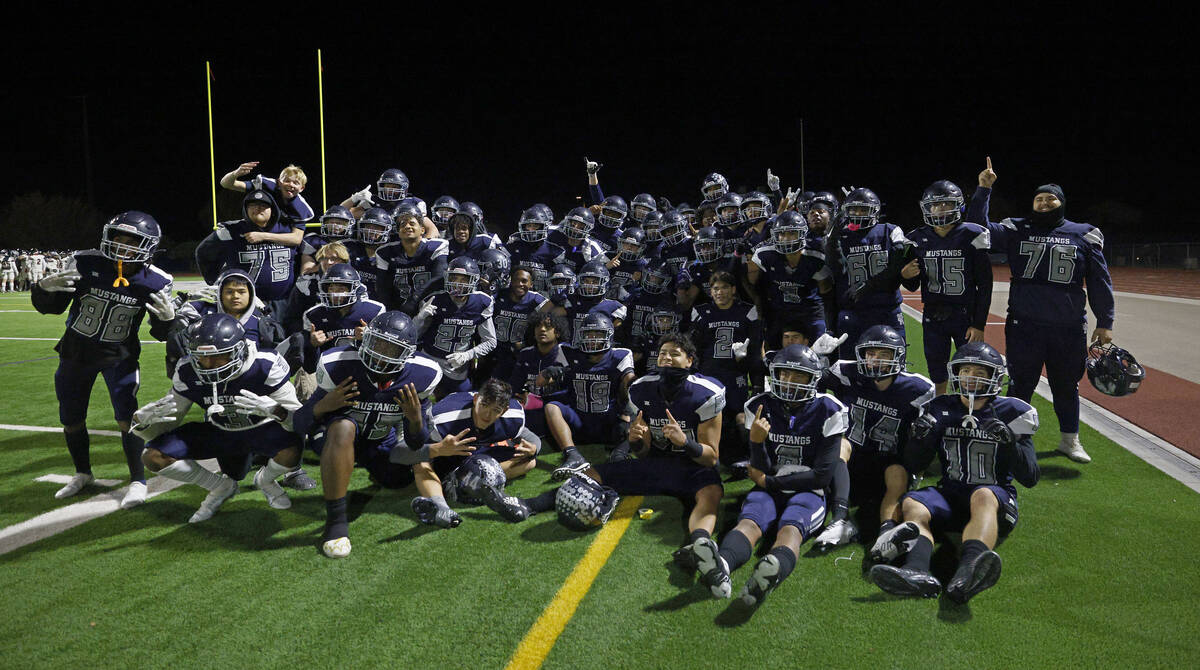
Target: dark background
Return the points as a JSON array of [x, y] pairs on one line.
[[501, 107]]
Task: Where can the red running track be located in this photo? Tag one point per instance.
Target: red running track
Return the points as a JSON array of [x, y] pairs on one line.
[[1168, 282]]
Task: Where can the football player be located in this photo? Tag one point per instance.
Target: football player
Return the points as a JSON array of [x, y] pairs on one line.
[[450, 320], [515, 307], [411, 268], [37, 266], [492, 422], [532, 251], [793, 273], [343, 313], [714, 186], [233, 294], [248, 405], [391, 194], [884, 399], [954, 273], [363, 396], [641, 207], [983, 441], [107, 291], [588, 297], [337, 225], [1051, 258], [677, 252], [574, 236], [613, 212], [630, 265], [286, 190], [8, 273], [796, 434], [463, 239], [653, 292], [443, 208]]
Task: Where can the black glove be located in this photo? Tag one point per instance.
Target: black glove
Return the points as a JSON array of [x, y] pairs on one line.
[[663, 204], [998, 430], [620, 431], [559, 298], [922, 427], [552, 374]]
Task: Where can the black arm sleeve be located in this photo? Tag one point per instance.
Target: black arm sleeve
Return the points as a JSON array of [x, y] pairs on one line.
[[385, 292], [208, 258], [983, 289], [438, 278], [49, 302], [1024, 462], [888, 280], [303, 418], [918, 454], [811, 480]]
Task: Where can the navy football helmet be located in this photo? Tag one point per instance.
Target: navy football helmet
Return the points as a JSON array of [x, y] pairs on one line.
[[937, 196], [1114, 371], [578, 223], [687, 212], [824, 199], [531, 227], [595, 334], [337, 223], [613, 212], [714, 186], [495, 267], [582, 504], [789, 232], [880, 337], [544, 212], [652, 226], [982, 354], [729, 209], [643, 204], [656, 278], [137, 225], [562, 279], [476, 213], [755, 206], [674, 228], [593, 279], [388, 342], [803, 202], [708, 244], [392, 185], [633, 243], [443, 208], [477, 474], [374, 227], [861, 208], [213, 335], [462, 276], [341, 274], [797, 358], [664, 320], [409, 207]]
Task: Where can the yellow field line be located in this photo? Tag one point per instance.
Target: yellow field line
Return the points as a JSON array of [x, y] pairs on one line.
[[545, 631]]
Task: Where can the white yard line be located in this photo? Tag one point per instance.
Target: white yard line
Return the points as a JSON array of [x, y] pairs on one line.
[[63, 479], [53, 429], [55, 339]]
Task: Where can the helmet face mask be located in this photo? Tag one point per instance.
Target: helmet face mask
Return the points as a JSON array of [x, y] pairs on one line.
[[708, 245], [631, 248], [655, 280], [217, 346], [674, 232], [392, 186], [613, 212], [942, 204], [531, 227], [594, 340], [131, 237], [387, 343], [795, 371], [460, 283], [714, 186], [578, 224], [877, 360], [1114, 371], [861, 208], [373, 233], [664, 322], [789, 233], [337, 223], [593, 280], [755, 207]]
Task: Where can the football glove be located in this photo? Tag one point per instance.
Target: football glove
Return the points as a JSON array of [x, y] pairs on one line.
[[161, 306], [249, 402], [827, 344], [922, 427], [739, 349], [159, 411], [207, 294], [592, 166], [772, 180], [362, 199], [552, 373], [458, 359], [60, 281], [998, 430]]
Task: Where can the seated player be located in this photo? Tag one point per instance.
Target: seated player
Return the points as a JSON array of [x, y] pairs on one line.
[[593, 391], [795, 436], [883, 399], [363, 395], [450, 320], [492, 422], [411, 268], [343, 314], [248, 405], [108, 292], [983, 441]]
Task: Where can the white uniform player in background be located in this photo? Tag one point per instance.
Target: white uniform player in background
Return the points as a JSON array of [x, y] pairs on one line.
[[37, 266], [52, 263], [8, 273]]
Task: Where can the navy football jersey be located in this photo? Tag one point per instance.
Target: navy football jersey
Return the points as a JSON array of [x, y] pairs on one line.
[[474, 247], [627, 274], [539, 258], [453, 327], [265, 373], [579, 307], [678, 256], [511, 319], [576, 256], [699, 399], [796, 439], [879, 420], [296, 210], [376, 411], [593, 388], [362, 258], [340, 328], [862, 254], [530, 362], [792, 288], [969, 456], [271, 265], [638, 308], [714, 331], [454, 414], [409, 274], [311, 244]]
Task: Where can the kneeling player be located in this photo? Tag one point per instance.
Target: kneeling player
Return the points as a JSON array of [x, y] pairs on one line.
[[362, 396], [984, 441], [246, 397], [494, 422], [795, 438]]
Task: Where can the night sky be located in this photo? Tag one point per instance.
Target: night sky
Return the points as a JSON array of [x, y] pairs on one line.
[[501, 108]]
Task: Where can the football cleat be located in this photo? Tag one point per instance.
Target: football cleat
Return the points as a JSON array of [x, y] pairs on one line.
[[895, 542], [298, 479], [74, 486], [714, 571], [510, 508], [575, 464], [1069, 445], [905, 581], [215, 498], [762, 581], [337, 548], [842, 531], [685, 557], [276, 497], [973, 577], [450, 486], [135, 496], [430, 513]]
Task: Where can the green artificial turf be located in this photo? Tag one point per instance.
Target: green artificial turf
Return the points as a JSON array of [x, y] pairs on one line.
[[1098, 572]]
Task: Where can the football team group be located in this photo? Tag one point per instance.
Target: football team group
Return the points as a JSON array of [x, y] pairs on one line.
[[756, 335]]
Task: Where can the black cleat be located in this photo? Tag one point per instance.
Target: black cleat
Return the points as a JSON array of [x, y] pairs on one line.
[[575, 464], [905, 581], [894, 542], [973, 577], [685, 557], [511, 508]]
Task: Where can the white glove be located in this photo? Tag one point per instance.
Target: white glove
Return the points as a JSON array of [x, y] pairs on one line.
[[213, 410], [592, 166], [161, 306], [427, 310], [252, 403], [772, 180], [790, 196], [846, 191], [739, 349], [362, 199], [60, 281], [458, 359], [827, 344], [207, 294], [159, 411]]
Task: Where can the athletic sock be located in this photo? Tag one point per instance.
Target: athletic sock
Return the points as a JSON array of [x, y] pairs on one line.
[[841, 490], [542, 502], [79, 444], [133, 446], [700, 534], [440, 502], [336, 524], [735, 549], [787, 561], [918, 557], [189, 471], [970, 550], [571, 453], [273, 470]]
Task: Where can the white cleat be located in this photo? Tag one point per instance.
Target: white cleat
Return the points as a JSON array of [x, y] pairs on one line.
[[842, 531], [274, 493], [217, 497], [1069, 445], [135, 496], [339, 548], [74, 486]]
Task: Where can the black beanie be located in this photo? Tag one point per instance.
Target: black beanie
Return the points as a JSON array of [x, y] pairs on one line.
[[1055, 216]]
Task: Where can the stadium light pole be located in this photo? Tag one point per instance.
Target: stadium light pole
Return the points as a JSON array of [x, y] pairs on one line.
[[802, 154], [87, 149]]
